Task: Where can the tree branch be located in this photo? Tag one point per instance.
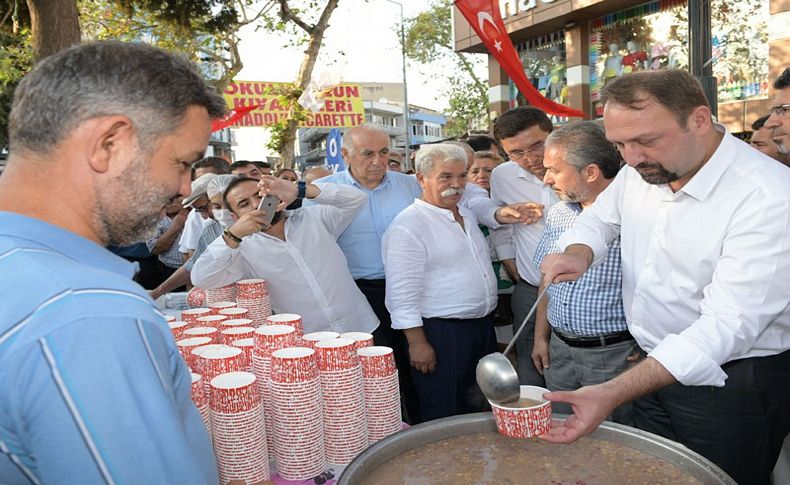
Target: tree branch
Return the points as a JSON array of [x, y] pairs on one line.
[[467, 66], [261, 12], [287, 15], [7, 14]]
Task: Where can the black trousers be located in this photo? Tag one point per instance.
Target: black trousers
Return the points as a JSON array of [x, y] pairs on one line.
[[740, 427], [452, 389], [374, 291]]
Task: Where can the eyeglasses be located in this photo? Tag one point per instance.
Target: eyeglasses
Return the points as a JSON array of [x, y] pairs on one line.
[[519, 154], [779, 109]]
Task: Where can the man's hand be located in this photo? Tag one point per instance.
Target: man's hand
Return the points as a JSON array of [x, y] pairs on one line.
[[567, 266], [283, 189], [523, 212], [511, 269], [591, 405], [422, 357], [540, 354], [249, 223], [181, 218]]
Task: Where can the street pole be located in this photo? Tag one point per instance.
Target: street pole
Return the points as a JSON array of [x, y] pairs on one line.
[[700, 50], [406, 120]]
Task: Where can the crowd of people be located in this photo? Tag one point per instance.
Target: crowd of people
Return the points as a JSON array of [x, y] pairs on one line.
[[662, 243]]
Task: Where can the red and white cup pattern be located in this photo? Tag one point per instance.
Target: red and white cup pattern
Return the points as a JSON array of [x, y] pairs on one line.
[[246, 345], [210, 321], [361, 339], [290, 319], [524, 422], [200, 398], [239, 434], [382, 392], [228, 335], [226, 293], [170, 318], [253, 294], [202, 332], [196, 297], [186, 345], [192, 314], [218, 306], [234, 313], [177, 328], [310, 339], [218, 360]]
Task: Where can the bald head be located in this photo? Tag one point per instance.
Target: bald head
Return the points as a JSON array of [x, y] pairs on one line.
[[366, 152]]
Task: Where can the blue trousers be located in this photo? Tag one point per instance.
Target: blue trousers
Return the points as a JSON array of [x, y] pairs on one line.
[[451, 388]]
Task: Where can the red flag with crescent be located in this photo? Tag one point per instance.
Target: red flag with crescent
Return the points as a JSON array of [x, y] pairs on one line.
[[485, 19], [233, 116]]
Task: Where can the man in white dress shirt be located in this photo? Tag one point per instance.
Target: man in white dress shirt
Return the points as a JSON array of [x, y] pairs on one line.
[[704, 221], [441, 288], [297, 254], [522, 132]]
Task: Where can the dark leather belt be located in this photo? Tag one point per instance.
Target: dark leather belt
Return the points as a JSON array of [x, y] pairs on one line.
[[597, 341]]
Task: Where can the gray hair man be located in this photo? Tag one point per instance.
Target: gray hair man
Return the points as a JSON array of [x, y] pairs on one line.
[[441, 287], [581, 340], [94, 390], [703, 220]]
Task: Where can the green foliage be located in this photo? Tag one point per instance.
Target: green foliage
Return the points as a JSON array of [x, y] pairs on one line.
[[288, 97], [428, 40], [16, 56]]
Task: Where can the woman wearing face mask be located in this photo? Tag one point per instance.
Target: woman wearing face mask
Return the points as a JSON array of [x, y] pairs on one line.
[[220, 219]]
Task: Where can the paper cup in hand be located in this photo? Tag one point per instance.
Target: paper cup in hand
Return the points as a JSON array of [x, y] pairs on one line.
[[530, 417]]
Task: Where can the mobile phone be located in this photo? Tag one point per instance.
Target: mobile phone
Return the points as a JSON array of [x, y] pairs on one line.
[[269, 206]]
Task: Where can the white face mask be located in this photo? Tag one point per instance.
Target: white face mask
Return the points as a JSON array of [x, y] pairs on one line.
[[223, 216]]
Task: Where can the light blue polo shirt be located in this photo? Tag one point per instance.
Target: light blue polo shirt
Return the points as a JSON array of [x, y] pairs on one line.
[[361, 241], [92, 388]]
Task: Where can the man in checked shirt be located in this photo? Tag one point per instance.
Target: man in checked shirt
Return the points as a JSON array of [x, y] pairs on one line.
[[581, 336]]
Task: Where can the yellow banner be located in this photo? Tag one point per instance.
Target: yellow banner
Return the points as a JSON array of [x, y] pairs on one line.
[[342, 105]]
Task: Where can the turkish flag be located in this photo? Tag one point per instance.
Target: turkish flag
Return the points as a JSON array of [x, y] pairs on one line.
[[484, 17], [233, 116]]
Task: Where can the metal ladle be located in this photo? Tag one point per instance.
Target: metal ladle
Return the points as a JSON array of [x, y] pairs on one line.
[[495, 374]]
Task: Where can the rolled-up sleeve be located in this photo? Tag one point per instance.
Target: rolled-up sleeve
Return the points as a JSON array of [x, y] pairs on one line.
[[219, 266]]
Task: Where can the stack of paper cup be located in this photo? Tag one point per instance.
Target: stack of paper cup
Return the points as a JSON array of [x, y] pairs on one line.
[[170, 318], [345, 423], [177, 328], [192, 314], [235, 312], [218, 306], [229, 334], [267, 339], [310, 339], [210, 332], [253, 294], [210, 320], [226, 293], [382, 393], [246, 345], [198, 363], [219, 360], [238, 430], [361, 339], [200, 398], [196, 297], [186, 345], [290, 319], [298, 414]]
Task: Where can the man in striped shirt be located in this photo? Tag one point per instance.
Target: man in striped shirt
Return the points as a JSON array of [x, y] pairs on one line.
[[581, 336], [93, 387]]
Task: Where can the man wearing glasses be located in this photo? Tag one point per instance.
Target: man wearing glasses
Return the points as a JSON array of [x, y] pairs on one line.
[[779, 120], [522, 132]]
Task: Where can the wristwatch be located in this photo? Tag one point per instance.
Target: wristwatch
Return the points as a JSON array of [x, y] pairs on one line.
[[301, 189], [231, 236]]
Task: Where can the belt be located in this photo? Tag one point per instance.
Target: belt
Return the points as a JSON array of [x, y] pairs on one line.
[[597, 341]]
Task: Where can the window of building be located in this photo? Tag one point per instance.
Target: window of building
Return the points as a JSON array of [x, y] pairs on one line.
[[543, 59]]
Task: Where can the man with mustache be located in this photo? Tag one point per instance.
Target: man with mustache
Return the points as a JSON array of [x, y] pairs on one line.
[[779, 120], [441, 287], [94, 389], [704, 223]]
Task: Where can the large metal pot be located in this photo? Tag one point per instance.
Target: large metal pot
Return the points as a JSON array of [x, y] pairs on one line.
[[670, 451]]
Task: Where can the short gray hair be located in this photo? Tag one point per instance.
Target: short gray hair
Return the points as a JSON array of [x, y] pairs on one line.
[[428, 155], [151, 86], [585, 144], [348, 136]]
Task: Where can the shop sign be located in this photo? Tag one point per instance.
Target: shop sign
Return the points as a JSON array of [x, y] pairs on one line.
[[509, 8]]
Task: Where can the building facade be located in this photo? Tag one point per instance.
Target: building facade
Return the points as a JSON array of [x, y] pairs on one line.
[[570, 49]]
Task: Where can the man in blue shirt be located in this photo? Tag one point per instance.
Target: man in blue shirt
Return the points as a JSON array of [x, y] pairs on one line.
[[94, 390], [581, 335]]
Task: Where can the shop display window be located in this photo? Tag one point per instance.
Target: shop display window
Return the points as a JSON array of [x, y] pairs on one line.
[[655, 36], [543, 59]]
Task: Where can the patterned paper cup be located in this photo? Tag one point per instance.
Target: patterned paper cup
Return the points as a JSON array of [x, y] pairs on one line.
[[218, 306], [220, 360], [336, 354], [226, 293], [201, 331], [192, 314], [235, 312], [200, 398], [293, 365], [361, 339], [196, 297], [234, 392], [186, 345], [310, 339], [210, 320], [269, 338], [177, 327], [251, 289], [170, 318], [377, 361], [290, 319], [533, 419], [228, 335]]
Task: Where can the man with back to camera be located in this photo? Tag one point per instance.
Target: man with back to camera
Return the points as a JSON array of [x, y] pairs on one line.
[[704, 223], [94, 389], [522, 132]]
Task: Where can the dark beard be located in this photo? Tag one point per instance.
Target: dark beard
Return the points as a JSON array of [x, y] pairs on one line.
[[655, 174]]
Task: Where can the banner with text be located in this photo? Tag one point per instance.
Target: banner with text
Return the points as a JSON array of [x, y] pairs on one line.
[[342, 105]]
